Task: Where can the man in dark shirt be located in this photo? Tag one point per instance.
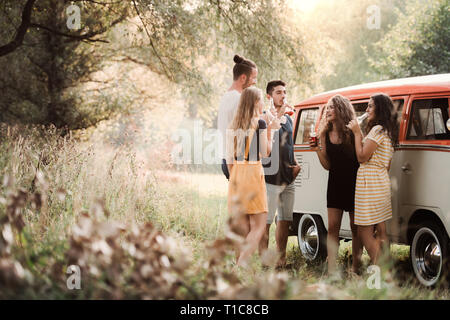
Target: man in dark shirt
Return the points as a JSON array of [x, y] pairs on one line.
[[280, 185]]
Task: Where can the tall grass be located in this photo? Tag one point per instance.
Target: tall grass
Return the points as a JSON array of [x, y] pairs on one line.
[[133, 224]]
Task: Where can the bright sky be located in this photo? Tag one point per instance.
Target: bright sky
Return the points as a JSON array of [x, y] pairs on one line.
[[305, 5]]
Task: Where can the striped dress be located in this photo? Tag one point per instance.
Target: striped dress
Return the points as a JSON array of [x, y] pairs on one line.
[[373, 186]]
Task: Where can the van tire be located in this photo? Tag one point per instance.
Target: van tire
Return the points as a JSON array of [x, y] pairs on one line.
[[429, 254], [312, 238]]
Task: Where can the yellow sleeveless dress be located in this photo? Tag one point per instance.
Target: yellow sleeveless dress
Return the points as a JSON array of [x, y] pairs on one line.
[[247, 186]]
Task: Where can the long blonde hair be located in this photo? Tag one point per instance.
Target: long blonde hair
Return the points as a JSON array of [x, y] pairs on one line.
[[244, 122]]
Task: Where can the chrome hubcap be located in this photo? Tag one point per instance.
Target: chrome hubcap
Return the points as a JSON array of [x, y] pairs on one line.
[[309, 239], [427, 256]]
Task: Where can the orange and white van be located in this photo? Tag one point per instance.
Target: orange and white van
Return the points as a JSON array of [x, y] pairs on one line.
[[420, 172]]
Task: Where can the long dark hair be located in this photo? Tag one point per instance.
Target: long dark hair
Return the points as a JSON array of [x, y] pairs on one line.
[[344, 113], [385, 115]]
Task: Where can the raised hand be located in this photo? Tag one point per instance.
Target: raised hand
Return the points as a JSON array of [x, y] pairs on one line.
[[275, 124], [354, 126]]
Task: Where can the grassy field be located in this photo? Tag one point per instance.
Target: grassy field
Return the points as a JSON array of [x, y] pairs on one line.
[[138, 229], [208, 193]]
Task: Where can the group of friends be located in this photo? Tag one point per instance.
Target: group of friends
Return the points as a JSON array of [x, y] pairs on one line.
[[358, 165]]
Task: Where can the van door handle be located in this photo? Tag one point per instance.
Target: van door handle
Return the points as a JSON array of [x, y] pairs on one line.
[[406, 168]]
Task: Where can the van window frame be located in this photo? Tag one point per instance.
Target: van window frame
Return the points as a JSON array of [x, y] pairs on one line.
[[403, 123], [414, 97], [365, 100], [298, 117]]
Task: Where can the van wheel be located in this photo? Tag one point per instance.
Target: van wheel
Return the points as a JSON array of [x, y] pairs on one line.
[[429, 254], [312, 238]]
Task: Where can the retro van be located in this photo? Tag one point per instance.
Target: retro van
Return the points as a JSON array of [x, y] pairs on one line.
[[419, 173]]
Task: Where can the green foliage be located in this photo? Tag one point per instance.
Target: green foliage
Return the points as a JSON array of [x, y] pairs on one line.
[[348, 41], [193, 44], [40, 77], [187, 210], [58, 75], [424, 48], [110, 66]]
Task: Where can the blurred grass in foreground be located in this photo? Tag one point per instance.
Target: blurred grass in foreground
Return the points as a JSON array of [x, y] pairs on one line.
[[140, 230]]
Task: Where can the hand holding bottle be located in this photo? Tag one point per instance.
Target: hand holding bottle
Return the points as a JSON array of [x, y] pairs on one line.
[[288, 109], [362, 117], [354, 126], [313, 141]]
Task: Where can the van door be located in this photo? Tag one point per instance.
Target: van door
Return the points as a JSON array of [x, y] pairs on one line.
[[422, 171], [393, 226], [311, 183]]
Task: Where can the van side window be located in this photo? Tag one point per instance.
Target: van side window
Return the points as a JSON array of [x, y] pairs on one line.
[[360, 109], [398, 105], [428, 120], [307, 117]]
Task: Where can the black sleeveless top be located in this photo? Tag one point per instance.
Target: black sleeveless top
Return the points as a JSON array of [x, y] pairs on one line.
[[253, 154], [342, 174]]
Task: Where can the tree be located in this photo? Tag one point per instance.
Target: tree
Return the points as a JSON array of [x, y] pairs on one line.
[[347, 32], [424, 49], [51, 73], [21, 30], [193, 43], [40, 70]]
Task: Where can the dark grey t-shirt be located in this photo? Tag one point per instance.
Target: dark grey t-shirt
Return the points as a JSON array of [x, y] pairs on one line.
[[286, 156]]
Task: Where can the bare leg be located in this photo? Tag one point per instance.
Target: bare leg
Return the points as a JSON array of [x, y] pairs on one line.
[[281, 236], [334, 225], [264, 243], [244, 229], [357, 247], [365, 233], [257, 229], [382, 239]]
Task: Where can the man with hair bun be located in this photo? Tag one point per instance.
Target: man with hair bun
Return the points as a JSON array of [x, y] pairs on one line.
[[245, 73]]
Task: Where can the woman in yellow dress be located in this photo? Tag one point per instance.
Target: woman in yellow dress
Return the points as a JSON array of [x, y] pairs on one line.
[[247, 142], [373, 187]]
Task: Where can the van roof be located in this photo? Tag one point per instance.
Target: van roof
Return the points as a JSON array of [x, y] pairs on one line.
[[422, 84]]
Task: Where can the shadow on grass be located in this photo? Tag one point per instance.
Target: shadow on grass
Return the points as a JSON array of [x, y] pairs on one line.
[[398, 263]]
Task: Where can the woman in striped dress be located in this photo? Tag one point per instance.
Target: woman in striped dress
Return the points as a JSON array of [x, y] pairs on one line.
[[373, 187]]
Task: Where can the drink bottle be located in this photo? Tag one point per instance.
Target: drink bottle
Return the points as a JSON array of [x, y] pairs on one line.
[[289, 111], [313, 136], [362, 117]]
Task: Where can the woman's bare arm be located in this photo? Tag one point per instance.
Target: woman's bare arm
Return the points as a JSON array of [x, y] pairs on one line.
[[363, 150], [321, 152]]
